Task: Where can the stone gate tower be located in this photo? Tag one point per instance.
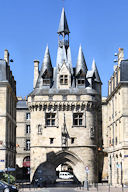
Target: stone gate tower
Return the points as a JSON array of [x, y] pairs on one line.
[[65, 108]]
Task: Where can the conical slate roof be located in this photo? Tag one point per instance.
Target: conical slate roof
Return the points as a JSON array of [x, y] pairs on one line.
[[69, 60], [63, 25], [81, 64], [61, 57], [46, 65], [94, 69]]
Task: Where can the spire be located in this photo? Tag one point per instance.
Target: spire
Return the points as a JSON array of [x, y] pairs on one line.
[[94, 69], [81, 64], [63, 25], [46, 66]]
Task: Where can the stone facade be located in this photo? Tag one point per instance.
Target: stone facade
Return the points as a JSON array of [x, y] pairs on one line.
[[65, 108], [7, 114], [115, 121], [22, 134]]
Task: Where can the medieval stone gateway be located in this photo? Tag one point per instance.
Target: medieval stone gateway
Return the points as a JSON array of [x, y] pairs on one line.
[[46, 171], [65, 108]]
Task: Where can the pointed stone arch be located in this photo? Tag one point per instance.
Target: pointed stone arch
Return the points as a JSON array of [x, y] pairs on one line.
[[46, 171]]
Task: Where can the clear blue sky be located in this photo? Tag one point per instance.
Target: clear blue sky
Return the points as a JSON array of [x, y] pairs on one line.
[[27, 26]]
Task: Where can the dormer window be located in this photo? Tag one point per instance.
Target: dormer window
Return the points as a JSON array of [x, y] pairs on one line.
[[81, 81], [64, 79], [46, 81]]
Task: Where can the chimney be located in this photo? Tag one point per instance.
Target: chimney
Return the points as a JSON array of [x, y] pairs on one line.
[[36, 72], [120, 55], [6, 56]]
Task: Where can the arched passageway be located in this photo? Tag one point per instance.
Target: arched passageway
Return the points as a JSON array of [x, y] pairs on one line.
[[46, 171]]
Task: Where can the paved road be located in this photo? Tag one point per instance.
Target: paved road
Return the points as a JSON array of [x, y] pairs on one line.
[[69, 186], [100, 189], [49, 190], [57, 190]]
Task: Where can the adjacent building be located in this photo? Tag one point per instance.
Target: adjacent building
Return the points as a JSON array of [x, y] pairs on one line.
[[7, 115], [115, 123], [22, 134], [65, 108]]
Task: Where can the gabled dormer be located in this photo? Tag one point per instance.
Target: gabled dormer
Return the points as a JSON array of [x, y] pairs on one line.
[[80, 79], [64, 77], [47, 78]]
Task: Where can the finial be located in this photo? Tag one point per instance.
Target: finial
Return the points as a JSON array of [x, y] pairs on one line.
[[93, 65]]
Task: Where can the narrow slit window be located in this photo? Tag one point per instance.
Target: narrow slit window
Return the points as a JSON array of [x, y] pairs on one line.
[[51, 140]]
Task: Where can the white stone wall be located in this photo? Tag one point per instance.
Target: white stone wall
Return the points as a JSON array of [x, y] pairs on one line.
[[85, 145], [7, 126]]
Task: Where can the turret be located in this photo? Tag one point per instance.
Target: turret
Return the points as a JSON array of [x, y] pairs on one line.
[[63, 31], [81, 69], [93, 78], [81, 64], [46, 72], [46, 65], [96, 73]]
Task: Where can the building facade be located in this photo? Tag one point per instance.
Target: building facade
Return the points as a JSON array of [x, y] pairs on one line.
[[22, 134], [7, 115], [65, 107], [115, 123]]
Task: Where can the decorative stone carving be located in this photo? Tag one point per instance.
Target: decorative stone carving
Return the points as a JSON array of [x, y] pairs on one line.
[[39, 129], [92, 132], [63, 106], [64, 134]]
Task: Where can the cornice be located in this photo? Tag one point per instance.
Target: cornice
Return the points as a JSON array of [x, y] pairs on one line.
[[64, 106]]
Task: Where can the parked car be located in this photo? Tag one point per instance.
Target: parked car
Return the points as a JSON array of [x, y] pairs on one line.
[[65, 175], [5, 187]]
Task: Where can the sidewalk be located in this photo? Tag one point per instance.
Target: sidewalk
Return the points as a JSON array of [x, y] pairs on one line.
[[104, 189], [79, 189]]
